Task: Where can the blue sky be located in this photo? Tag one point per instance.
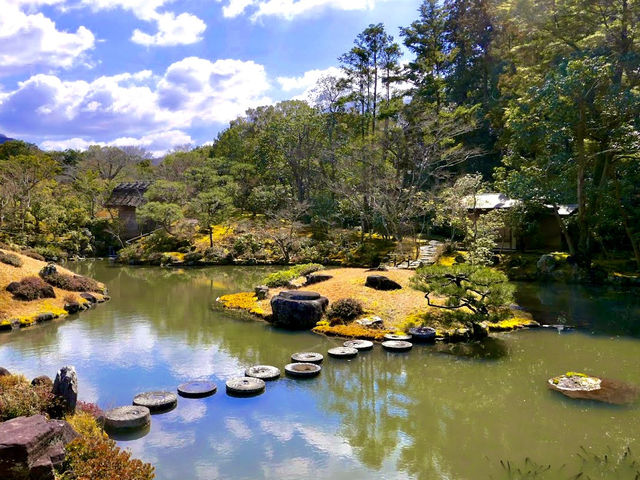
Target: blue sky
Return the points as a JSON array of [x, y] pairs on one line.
[[162, 73]]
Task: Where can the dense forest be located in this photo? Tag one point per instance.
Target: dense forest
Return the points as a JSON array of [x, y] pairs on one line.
[[537, 99]]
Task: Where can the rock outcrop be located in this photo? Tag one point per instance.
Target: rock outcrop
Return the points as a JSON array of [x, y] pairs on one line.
[[298, 310], [30, 447], [65, 387]]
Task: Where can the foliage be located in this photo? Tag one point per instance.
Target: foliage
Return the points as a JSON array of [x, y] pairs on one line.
[[19, 398], [345, 309], [10, 259], [73, 283], [31, 288], [478, 289], [283, 277], [94, 457]]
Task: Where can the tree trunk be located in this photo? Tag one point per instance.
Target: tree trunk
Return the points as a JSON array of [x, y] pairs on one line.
[[210, 236], [565, 231], [625, 221]]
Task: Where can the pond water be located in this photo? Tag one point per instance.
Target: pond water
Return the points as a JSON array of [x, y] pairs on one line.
[[450, 412]]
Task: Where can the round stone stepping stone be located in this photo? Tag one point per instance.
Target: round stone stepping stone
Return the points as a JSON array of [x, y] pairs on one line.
[[359, 345], [245, 386], [127, 418], [156, 401], [307, 357], [422, 335], [302, 369], [263, 372], [397, 345], [197, 389], [398, 337], [343, 352]]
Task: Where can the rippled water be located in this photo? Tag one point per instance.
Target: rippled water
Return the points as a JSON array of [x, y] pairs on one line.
[[451, 412]]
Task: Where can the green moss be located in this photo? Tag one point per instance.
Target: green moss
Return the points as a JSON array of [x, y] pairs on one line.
[[283, 277]]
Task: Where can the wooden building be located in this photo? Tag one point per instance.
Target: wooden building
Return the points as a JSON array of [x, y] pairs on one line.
[[546, 235], [126, 198]]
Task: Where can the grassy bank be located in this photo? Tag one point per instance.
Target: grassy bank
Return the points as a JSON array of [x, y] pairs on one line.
[[65, 290]]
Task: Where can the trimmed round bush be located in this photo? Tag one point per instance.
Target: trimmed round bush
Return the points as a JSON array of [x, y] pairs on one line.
[[31, 288], [10, 259], [346, 309]]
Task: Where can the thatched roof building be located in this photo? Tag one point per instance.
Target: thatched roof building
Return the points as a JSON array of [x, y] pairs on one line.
[[128, 194]]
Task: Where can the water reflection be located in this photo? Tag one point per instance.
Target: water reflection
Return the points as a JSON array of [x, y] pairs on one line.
[[491, 348], [435, 412], [602, 310]]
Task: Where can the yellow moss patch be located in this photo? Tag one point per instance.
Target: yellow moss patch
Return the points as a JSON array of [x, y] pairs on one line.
[[243, 301], [446, 260], [353, 330], [52, 308], [511, 324]]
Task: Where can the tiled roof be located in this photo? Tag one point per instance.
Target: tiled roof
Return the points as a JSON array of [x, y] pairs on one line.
[[129, 194], [494, 201]]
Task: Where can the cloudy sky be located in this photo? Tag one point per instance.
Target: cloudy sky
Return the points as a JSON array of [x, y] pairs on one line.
[[163, 73]]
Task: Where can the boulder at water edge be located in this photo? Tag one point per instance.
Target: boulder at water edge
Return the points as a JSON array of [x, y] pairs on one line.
[[30, 447], [298, 310], [65, 387]]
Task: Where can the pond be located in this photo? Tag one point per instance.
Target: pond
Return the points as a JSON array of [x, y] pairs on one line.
[[450, 412]]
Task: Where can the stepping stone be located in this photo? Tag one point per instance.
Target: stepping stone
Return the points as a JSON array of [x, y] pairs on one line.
[[197, 389], [398, 337], [302, 369], [360, 345], [156, 402], [397, 346], [307, 357], [343, 352], [263, 372], [245, 386], [127, 418]]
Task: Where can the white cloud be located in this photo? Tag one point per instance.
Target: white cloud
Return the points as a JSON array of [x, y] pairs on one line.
[[289, 9], [182, 29], [156, 143], [29, 40], [134, 108], [307, 82]]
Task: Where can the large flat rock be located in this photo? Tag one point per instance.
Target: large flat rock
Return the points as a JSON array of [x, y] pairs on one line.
[[30, 447]]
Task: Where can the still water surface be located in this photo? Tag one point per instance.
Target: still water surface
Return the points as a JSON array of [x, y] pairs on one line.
[[435, 412]]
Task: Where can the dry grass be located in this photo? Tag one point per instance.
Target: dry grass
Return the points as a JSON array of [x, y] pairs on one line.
[[17, 309], [392, 306], [399, 309]]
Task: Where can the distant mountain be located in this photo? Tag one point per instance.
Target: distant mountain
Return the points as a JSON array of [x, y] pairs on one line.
[[4, 138]]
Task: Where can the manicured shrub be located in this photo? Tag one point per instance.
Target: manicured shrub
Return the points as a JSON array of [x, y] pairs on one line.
[[31, 288], [283, 277], [19, 398], [73, 283], [33, 254], [10, 259], [89, 408], [346, 309], [99, 458]]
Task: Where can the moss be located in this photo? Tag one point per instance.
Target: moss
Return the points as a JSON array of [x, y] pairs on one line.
[[446, 260], [246, 301], [353, 330], [513, 323], [576, 374]]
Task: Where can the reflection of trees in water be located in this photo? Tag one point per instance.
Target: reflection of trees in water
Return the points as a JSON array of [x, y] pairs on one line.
[[398, 404], [602, 309]]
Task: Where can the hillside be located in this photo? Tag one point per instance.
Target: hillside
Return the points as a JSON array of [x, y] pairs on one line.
[[4, 138], [15, 312]]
